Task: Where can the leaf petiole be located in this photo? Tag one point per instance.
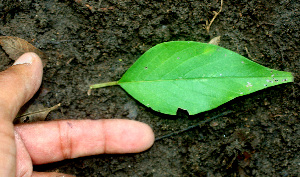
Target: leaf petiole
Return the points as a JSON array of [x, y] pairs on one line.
[[106, 84]]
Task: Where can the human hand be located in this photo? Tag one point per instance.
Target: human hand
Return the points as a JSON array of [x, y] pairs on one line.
[[24, 145]]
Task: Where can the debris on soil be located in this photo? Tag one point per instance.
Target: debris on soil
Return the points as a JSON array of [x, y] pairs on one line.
[[15, 47], [34, 113], [213, 19]]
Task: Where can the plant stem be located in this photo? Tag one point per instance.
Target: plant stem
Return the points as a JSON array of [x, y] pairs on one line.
[[106, 84]]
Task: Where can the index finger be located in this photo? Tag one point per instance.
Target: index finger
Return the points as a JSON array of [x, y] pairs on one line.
[[53, 141]]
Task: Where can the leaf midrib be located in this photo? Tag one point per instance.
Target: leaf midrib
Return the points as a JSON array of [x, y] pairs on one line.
[[202, 78]]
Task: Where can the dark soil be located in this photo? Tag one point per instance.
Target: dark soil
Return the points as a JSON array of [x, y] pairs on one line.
[[90, 42]]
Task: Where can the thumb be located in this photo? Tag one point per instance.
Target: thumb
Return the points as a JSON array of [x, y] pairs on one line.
[[18, 84]]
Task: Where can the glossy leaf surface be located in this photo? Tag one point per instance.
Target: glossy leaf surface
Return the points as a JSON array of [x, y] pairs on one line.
[[195, 77]]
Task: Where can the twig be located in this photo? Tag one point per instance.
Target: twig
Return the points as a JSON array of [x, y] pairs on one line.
[[249, 55], [192, 126], [212, 20]]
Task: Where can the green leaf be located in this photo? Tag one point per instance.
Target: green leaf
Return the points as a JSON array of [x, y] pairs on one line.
[[195, 76]]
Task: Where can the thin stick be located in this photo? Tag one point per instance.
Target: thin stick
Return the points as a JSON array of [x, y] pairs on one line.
[[248, 53], [192, 126], [212, 20]]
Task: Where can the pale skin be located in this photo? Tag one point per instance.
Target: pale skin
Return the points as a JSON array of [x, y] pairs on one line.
[[25, 145]]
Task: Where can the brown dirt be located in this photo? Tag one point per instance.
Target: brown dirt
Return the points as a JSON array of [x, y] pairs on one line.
[[85, 40]]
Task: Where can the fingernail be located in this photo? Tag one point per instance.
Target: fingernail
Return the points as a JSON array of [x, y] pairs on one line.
[[26, 58]]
